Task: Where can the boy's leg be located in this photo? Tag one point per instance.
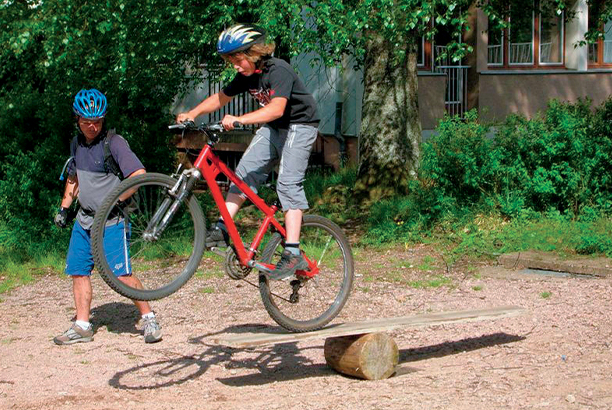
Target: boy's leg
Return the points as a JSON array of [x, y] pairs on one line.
[[292, 171]]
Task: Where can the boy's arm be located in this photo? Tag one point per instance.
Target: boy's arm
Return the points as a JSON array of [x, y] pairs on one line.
[[210, 104], [272, 111]]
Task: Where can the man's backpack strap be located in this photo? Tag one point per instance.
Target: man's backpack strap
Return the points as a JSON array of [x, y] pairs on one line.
[[110, 165]]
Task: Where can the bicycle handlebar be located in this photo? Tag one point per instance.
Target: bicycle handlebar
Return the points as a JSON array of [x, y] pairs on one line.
[[191, 126]]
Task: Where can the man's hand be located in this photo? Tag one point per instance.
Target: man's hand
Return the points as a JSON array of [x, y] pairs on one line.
[[61, 218]]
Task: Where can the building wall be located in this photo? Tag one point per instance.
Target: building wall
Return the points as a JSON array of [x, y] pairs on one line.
[[529, 93]]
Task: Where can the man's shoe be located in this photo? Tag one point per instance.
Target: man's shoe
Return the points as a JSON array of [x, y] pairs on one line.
[[152, 330], [286, 267], [217, 237], [75, 334]]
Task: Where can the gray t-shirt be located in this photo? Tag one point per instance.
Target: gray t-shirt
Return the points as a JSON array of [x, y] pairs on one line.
[[94, 182]]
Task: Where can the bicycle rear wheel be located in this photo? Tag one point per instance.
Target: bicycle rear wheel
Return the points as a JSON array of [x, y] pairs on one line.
[[162, 264], [309, 303]]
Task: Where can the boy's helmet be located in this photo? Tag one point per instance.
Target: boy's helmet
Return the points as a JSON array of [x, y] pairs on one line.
[[239, 38], [90, 104]]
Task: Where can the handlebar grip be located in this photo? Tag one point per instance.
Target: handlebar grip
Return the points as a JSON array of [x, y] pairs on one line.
[[182, 125]]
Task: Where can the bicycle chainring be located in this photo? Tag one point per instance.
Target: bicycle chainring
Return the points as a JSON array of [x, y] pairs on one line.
[[233, 269]]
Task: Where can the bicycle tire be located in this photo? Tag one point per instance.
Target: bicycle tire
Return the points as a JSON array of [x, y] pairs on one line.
[[163, 265], [333, 283]]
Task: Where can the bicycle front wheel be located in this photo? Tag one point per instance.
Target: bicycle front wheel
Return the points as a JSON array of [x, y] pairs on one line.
[[319, 293], [131, 260]]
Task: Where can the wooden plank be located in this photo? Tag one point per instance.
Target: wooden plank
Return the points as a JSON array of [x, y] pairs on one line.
[[586, 265], [245, 340]]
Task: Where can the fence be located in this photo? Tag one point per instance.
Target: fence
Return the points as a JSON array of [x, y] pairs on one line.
[[455, 100]]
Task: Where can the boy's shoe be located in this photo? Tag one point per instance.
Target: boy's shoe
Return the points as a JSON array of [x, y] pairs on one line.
[[152, 330], [286, 267], [216, 237], [75, 334]]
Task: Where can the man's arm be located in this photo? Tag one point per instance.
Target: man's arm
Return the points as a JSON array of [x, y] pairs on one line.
[[129, 193], [70, 192]]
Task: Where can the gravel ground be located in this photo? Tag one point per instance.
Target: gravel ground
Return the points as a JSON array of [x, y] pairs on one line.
[[557, 355]]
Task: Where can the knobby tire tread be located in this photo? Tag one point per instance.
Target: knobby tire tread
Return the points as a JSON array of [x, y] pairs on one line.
[[97, 238]]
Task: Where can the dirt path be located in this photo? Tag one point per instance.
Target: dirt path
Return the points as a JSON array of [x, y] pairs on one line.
[[556, 356]]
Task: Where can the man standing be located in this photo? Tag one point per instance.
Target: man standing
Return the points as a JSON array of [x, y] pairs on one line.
[[90, 180]]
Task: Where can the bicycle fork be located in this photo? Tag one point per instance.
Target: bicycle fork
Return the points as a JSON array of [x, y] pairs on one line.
[[174, 198]]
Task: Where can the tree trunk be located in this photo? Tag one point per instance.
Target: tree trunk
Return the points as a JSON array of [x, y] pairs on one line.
[[390, 134]]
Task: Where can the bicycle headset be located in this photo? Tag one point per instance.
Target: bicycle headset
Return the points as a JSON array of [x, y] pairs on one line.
[[90, 104], [239, 38]]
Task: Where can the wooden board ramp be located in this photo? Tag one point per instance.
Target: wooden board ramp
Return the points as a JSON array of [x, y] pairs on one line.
[[362, 349]]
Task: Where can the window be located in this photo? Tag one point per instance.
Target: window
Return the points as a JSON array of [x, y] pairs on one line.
[[495, 49], [421, 53], [532, 39], [600, 53], [520, 41], [551, 39]]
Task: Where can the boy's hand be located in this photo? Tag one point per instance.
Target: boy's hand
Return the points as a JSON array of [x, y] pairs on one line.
[[182, 117], [229, 122], [61, 218]]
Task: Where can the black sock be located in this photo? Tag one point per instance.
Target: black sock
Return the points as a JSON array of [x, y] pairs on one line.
[[221, 225], [294, 248]]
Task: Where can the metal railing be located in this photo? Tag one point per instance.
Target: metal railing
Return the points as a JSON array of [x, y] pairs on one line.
[[455, 99]]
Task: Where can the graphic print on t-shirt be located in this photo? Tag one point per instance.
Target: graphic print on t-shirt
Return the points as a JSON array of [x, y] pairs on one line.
[[262, 96]]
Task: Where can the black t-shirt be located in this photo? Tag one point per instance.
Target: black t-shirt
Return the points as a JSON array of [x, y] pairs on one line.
[[278, 79]]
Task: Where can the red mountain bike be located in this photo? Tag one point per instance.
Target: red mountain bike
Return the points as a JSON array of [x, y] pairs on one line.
[[164, 233]]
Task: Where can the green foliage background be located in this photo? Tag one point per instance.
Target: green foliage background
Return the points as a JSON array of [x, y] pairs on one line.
[[136, 52]]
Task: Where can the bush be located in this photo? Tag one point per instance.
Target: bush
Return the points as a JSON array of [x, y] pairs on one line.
[[555, 166]]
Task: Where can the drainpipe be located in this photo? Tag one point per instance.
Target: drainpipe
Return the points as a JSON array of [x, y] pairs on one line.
[[338, 134]]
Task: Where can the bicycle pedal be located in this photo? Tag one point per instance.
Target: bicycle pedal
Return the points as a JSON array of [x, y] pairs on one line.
[[218, 251]]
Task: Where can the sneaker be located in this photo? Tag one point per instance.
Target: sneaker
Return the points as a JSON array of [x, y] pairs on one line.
[[152, 330], [286, 267], [216, 237], [75, 334]]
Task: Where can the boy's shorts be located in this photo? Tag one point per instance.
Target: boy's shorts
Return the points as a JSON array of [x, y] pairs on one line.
[[79, 261]]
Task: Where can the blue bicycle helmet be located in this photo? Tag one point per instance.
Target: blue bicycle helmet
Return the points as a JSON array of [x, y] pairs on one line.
[[239, 38], [90, 104]]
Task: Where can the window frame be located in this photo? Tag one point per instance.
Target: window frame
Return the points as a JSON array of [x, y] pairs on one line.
[[535, 63], [600, 52]]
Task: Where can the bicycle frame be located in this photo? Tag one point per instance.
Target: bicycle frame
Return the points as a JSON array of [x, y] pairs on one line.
[[210, 166]]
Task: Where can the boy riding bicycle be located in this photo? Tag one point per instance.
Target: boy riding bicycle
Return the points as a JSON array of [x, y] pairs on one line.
[[289, 114]]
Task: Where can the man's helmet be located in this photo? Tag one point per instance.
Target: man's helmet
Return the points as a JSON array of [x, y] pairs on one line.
[[239, 38], [90, 104]]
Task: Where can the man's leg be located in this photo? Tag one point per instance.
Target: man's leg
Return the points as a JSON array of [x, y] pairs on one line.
[[81, 290], [133, 282]]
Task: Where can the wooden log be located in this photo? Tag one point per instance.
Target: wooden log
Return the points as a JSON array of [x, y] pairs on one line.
[[371, 356]]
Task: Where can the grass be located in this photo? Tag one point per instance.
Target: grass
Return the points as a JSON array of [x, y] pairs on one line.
[[16, 273], [435, 282], [545, 295]]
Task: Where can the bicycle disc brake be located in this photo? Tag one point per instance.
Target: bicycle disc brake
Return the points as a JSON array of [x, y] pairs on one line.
[[233, 269]]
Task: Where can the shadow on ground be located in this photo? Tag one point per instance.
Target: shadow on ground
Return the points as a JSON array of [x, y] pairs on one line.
[[117, 317], [281, 362]]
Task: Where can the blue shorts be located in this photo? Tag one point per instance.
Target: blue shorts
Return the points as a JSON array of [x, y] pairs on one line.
[[79, 261]]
